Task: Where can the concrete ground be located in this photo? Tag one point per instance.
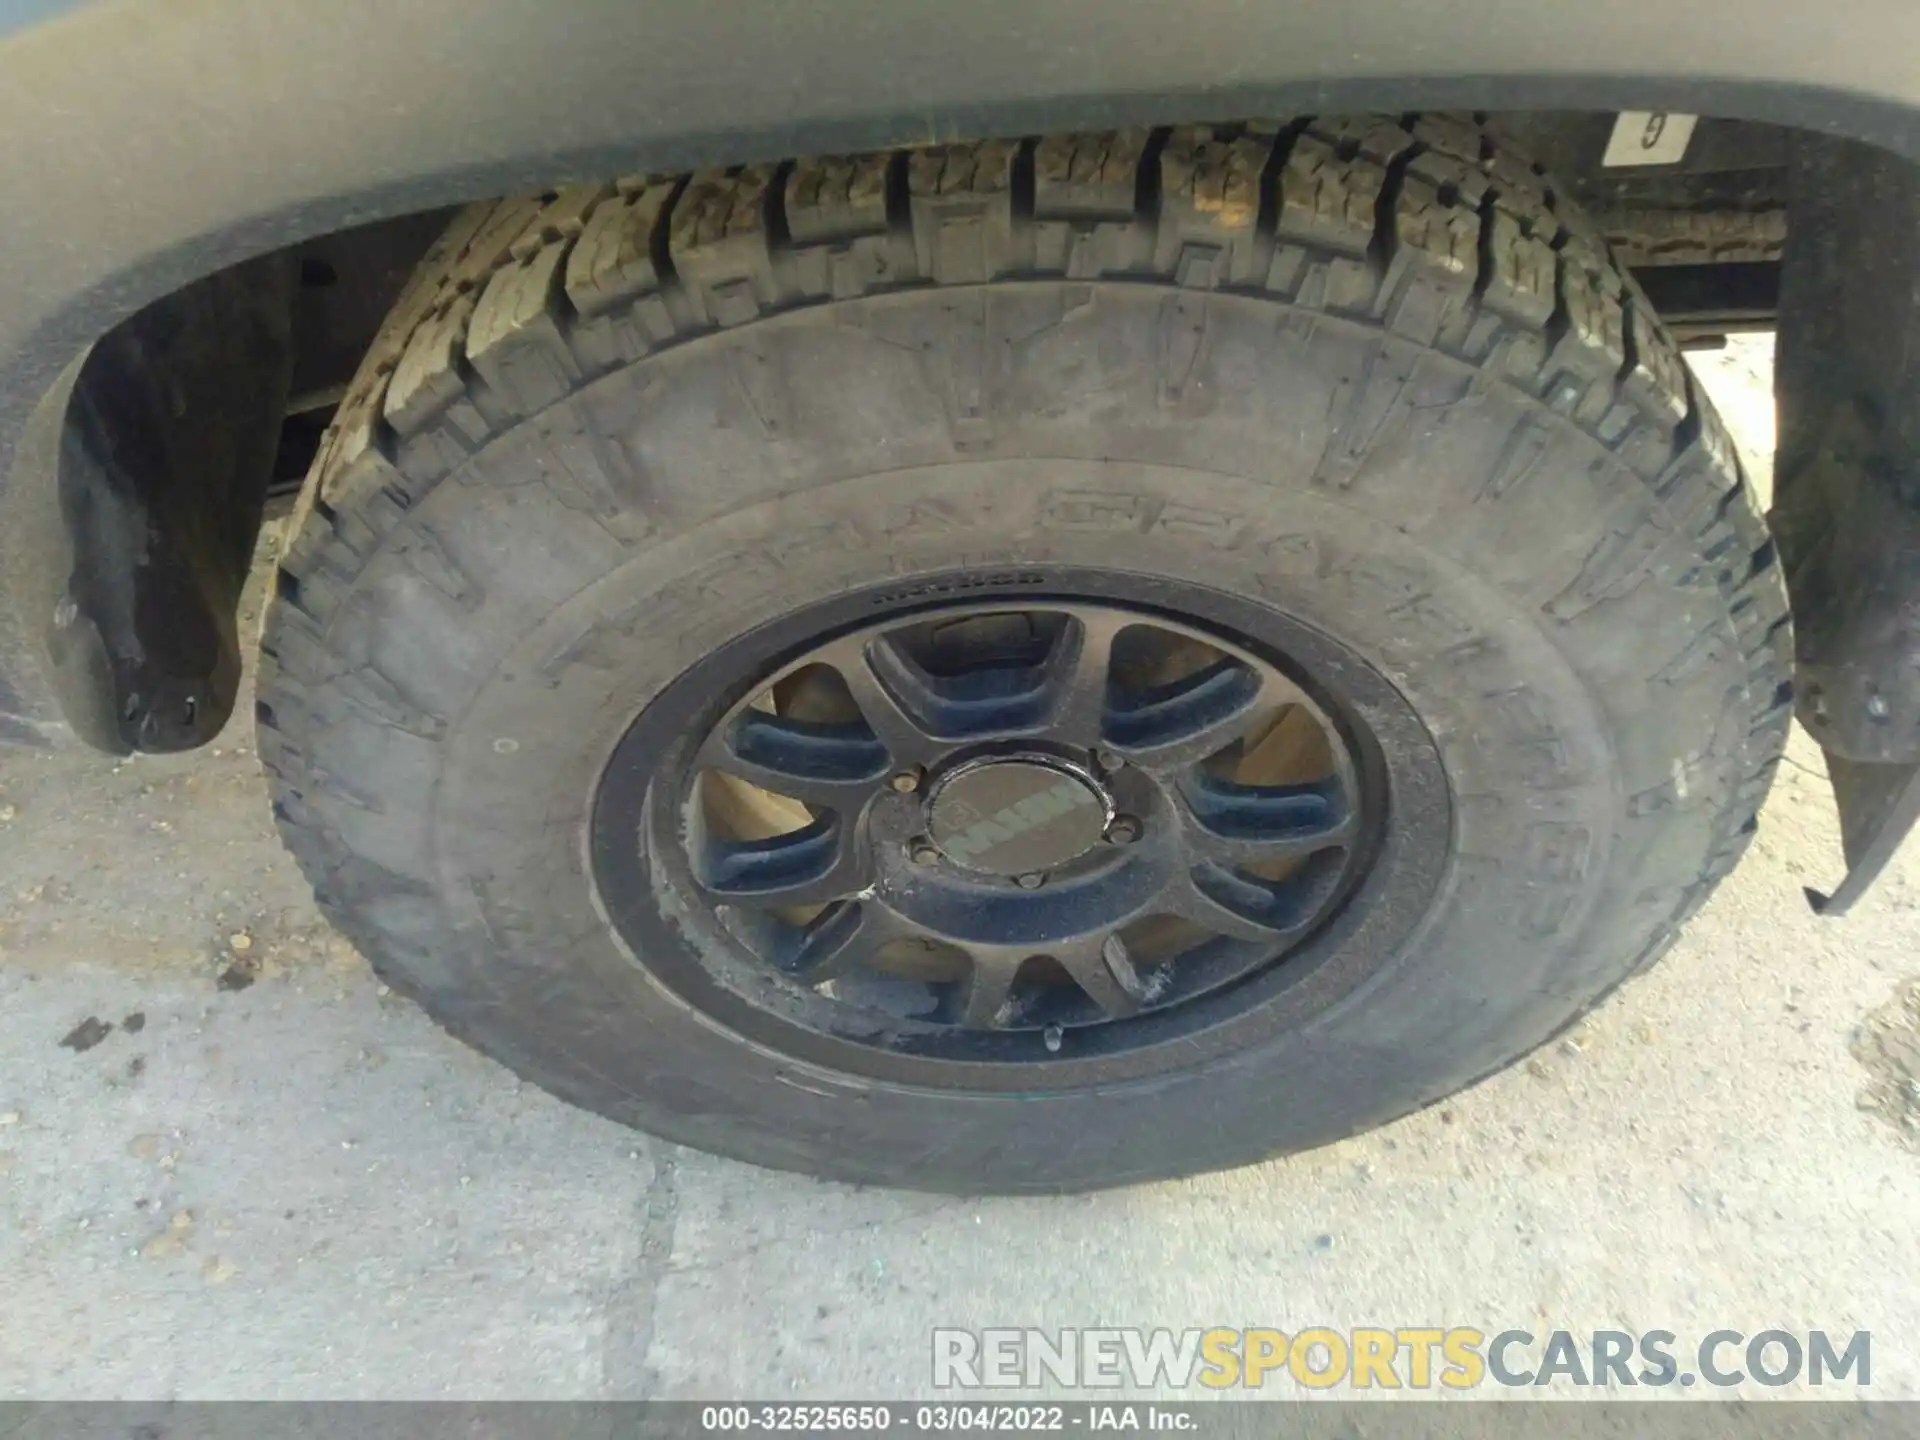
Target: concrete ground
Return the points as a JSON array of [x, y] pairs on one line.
[[270, 1177]]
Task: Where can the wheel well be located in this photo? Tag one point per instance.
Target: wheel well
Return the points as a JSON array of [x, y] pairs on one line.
[[347, 282], [1704, 236]]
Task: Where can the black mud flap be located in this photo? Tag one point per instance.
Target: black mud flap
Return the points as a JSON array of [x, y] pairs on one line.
[[1878, 806], [1846, 513], [164, 455]]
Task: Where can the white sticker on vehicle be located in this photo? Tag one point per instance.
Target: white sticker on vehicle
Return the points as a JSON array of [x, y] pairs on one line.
[[1649, 137]]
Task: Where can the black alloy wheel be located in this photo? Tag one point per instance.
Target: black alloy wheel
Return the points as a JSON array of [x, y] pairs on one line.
[[1033, 822]]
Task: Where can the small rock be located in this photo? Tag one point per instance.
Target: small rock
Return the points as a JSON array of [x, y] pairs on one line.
[[218, 1270], [241, 942], [134, 1023], [87, 1034], [1323, 1242], [8, 814], [145, 1147], [9, 1117]]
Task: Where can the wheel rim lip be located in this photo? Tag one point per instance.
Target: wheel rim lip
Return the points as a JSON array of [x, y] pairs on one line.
[[752, 1004]]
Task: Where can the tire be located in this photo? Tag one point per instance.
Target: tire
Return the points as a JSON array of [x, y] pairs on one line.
[[1367, 377]]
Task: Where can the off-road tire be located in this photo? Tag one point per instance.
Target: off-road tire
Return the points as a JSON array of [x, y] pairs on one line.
[[1371, 372]]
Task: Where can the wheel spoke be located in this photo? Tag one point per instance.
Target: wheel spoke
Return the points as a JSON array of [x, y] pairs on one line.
[[1074, 679], [1178, 725], [842, 937], [1227, 904], [1242, 907], [894, 695], [831, 767], [980, 1000], [803, 867], [1103, 968], [1237, 825]]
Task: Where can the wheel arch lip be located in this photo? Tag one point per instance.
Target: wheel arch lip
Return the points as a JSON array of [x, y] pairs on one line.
[[152, 144]]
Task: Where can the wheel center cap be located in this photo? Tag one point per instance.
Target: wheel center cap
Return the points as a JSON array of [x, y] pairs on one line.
[[1016, 816]]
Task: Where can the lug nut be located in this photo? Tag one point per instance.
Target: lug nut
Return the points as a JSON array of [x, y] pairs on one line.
[[1051, 1038], [1030, 882], [906, 782], [1124, 830], [1109, 760], [922, 853]]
